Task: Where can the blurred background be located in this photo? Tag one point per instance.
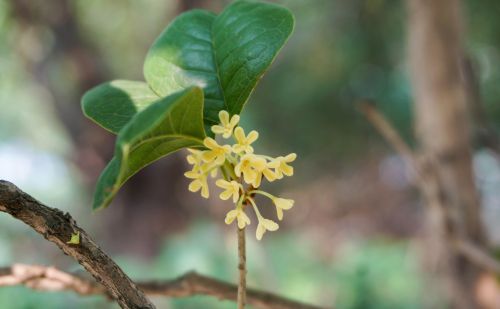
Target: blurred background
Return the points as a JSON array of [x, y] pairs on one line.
[[357, 220]]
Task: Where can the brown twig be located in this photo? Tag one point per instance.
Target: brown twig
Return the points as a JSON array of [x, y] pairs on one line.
[[242, 268], [478, 256], [50, 279], [57, 227], [387, 131]]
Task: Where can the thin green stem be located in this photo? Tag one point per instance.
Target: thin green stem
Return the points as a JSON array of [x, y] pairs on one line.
[[262, 193], [242, 257], [224, 172], [257, 212]]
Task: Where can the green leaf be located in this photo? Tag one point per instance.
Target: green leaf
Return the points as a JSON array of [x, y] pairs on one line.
[[165, 126], [226, 55], [113, 104]]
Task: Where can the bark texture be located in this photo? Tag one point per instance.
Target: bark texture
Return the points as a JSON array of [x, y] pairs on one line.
[[57, 227]]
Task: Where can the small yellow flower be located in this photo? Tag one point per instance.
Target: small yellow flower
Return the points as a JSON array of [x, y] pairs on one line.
[[251, 166], [281, 167], [231, 188], [282, 204], [194, 158], [269, 174], [227, 126], [199, 183], [239, 214], [265, 225], [243, 142], [216, 152]]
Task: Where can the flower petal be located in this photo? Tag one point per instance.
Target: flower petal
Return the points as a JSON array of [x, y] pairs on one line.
[[234, 120], [224, 117], [257, 180], [194, 186], [210, 143], [209, 156], [252, 137], [270, 225], [237, 148], [191, 174], [221, 183], [230, 216], [237, 169], [290, 157], [279, 213], [270, 175], [218, 129], [283, 203], [258, 163], [246, 218], [225, 195], [236, 196], [249, 175], [220, 159], [287, 169], [239, 134], [243, 220], [260, 231], [204, 190], [275, 163]]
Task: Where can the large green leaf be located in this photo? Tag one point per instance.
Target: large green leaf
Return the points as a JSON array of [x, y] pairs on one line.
[[113, 104], [165, 126], [226, 55]]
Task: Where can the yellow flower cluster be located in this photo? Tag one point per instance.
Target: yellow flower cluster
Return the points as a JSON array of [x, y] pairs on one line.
[[240, 167]]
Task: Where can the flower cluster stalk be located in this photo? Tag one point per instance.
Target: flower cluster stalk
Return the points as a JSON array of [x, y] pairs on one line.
[[242, 174]]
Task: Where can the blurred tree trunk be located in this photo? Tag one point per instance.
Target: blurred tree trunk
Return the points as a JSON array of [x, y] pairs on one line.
[[443, 130]]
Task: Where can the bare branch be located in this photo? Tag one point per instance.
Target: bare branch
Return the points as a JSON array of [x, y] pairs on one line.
[[478, 256], [50, 279], [387, 131], [474, 253], [57, 227]]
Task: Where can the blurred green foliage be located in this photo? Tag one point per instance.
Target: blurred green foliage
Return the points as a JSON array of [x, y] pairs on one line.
[[340, 52], [361, 275]]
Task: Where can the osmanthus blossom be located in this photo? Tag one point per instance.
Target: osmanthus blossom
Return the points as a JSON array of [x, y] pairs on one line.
[[226, 125], [281, 167], [242, 173], [231, 189], [240, 216], [199, 183], [251, 167], [243, 141], [216, 152]]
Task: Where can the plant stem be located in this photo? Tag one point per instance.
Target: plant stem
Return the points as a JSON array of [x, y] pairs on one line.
[[242, 267]]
